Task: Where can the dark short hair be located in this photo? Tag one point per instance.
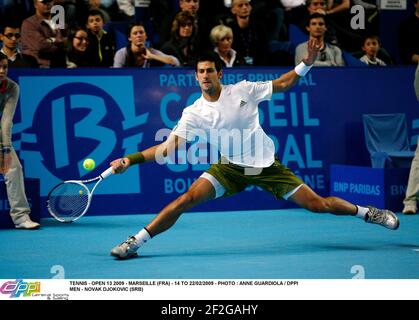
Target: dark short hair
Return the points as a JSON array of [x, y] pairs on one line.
[[134, 24], [8, 24], [315, 16], [95, 12], [371, 36], [210, 56]]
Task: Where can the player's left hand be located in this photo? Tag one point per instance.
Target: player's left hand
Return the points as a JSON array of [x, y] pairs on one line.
[[313, 48]]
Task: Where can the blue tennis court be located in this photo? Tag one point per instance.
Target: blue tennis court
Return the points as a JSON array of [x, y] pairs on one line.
[[289, 243]]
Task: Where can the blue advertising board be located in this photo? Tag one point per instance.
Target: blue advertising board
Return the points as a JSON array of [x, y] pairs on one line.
[[66, 116], [382, 188]]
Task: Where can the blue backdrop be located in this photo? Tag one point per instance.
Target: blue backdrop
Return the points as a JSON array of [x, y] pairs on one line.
[[65, 116]]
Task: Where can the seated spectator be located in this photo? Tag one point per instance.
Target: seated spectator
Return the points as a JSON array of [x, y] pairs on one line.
[[10, 36], [408, 35], [136, 54], [101, 48], [250, 36], [203, 21], [77, 55], [182, 43], [316, 6], [329, 54], [222, 39], [42, 39], [319, 6], [104, 6], [371, 47]]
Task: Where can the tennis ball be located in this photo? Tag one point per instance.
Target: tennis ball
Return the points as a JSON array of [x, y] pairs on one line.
[[80, 192], [89, 164]]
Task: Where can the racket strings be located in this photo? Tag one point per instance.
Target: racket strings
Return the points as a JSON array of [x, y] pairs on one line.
[[68, 200]]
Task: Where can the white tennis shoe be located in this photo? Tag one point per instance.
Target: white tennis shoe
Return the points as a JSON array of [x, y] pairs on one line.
[[127, 249], [383, 217]]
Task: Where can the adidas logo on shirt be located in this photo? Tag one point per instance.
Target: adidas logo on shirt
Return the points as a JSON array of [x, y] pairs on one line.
[[242, 103]]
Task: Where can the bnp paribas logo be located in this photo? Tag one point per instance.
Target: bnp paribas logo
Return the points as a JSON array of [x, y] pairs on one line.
[[18, 288]]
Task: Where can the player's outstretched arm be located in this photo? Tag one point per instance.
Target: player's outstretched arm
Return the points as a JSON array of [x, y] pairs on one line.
[[158, 151], [287, 80]]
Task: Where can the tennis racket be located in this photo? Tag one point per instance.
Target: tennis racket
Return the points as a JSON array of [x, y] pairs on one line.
[[70, 200]]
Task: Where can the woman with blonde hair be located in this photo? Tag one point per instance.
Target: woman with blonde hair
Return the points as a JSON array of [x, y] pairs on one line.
[[222, 38]]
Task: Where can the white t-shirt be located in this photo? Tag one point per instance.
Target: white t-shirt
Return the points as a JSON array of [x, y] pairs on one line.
[[232, 124]]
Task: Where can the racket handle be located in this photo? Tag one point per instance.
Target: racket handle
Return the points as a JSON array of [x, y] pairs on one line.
[[106, 173]]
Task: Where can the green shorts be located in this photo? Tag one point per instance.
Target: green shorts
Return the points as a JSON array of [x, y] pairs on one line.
[[276, 179]]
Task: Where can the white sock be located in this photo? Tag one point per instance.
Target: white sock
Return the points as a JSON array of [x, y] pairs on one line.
[[142, 237], [362, 211]]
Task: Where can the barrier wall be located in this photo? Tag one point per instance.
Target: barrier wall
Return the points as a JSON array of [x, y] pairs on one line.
[[66, 116]]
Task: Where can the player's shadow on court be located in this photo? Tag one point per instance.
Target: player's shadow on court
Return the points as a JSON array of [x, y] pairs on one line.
[[51, 223], [272, 250]]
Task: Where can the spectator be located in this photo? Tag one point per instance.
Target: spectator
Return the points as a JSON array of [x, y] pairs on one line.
[[136, 54], [101, 48], [371, 47], [182, 43], [41, 38], [202, 21], [77, 54], [10, 36], [99, 6], [316, 6], [319, 6], [222, 39], [250, 38], [329, 55]]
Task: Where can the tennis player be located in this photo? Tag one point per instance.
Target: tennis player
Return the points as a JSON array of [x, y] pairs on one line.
[[235, 108], [10, 165]]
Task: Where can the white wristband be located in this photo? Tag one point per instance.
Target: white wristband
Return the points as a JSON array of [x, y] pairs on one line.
[[302, 69]]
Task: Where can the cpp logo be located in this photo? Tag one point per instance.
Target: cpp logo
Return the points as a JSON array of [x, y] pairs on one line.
[[20, 287], [68, 119]]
